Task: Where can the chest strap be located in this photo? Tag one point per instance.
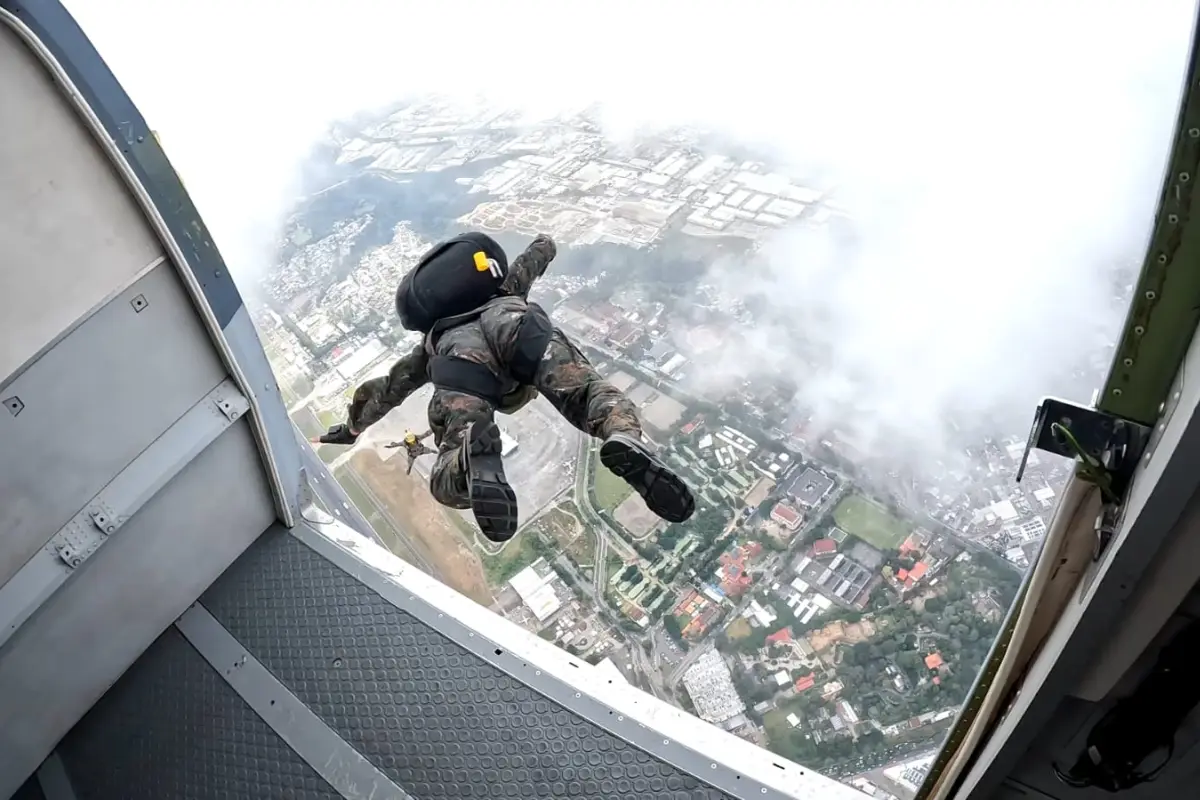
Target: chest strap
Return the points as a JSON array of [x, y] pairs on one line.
[[470, 377]]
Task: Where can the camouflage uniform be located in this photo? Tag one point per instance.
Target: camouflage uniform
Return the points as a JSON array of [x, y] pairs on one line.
[[414, 450], [564, 376]]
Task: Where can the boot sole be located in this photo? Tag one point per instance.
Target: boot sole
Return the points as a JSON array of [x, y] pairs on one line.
[[493, 501], [665, 492]]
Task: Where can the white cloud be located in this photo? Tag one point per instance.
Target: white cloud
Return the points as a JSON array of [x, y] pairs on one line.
[[1001, 159]]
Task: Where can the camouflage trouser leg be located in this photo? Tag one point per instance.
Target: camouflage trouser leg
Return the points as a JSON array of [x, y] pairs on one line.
[[593, 405], [450, 416]]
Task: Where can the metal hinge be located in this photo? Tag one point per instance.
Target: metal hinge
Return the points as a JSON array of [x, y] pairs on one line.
[[1106, 446]]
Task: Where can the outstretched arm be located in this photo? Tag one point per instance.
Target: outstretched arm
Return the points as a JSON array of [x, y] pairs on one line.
[[373, 399], [530, 265]]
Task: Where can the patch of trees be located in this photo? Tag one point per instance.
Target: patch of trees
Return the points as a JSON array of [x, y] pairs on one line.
[[673, 629], [648, 550], [768, 542], [830, 753], [955, 631], [628, 573], [671, 536], [751, 689]]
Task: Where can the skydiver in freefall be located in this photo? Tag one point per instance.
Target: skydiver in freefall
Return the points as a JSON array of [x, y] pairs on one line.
[[414, 447], [487, 348]]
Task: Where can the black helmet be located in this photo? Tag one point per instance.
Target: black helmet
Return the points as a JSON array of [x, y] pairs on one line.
[[453, 277]]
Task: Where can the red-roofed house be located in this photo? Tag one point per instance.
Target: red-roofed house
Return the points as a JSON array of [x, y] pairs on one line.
[[701, 622], [780, 636], [733, 574], [689, 604], [934, 661], [902, 575], [805, 683], [915, 574], [786, 517], [823, 547]]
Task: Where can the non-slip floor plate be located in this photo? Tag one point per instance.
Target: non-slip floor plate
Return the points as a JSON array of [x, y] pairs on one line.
[[437, 719], [173, 728]]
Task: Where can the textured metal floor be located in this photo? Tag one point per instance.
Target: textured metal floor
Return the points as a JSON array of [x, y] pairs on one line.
[[172, 728], [432, 716]]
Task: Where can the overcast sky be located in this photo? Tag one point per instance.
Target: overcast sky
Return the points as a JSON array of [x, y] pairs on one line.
[[1000, 158]]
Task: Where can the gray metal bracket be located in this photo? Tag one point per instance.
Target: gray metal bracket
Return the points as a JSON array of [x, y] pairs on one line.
[[229, 401], [116, 504], [1107, 446]]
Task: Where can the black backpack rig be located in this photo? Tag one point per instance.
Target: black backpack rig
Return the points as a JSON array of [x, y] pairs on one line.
[[449, 286]]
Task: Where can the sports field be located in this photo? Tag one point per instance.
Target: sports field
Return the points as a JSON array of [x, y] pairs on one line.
[[870, 522], [611, 491]]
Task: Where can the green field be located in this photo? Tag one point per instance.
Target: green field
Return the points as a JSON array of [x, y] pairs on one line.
[[611, 491], [738, 629], [872, 523], [776, 724], [578, 545], [519, 553]]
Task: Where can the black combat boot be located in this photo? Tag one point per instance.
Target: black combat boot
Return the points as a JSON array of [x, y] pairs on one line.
[[665, 492], [492, 499]]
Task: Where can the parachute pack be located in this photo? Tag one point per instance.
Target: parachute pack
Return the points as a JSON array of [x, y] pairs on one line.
[[455, 277]]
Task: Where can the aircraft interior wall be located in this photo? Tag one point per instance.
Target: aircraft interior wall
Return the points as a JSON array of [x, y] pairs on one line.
[[1062, 741], [294, 678]]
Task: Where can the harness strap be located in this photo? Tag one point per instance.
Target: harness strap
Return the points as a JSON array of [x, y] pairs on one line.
[[469, 377]]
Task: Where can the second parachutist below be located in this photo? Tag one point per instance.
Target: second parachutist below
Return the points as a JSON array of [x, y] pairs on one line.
[[414, 447]]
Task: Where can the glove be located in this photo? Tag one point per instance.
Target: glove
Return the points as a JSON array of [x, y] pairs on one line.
[[338, 434]]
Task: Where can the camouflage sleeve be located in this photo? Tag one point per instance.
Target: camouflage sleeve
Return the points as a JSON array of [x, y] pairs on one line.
[[376, 397], [530, 265]]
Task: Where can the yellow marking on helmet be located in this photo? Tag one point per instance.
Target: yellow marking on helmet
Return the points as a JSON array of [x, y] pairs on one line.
[[481, 262]]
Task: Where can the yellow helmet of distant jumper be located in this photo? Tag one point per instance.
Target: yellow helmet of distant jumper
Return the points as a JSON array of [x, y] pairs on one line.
[[410, 438]]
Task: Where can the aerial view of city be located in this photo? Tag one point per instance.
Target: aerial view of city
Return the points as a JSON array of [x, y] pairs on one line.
[[825, 602]]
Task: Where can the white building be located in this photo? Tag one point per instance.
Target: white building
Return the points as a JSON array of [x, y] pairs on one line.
[[536, 589], [1031, 530], [710, 685], [360, 359]]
